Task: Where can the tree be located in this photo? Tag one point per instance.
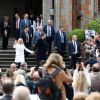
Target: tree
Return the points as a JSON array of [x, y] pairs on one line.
[[94, 25]]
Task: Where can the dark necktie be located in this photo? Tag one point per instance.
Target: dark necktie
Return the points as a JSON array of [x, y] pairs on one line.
[[27, 37]]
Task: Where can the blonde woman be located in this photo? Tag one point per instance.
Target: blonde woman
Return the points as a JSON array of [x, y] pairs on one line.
[[81, 79], [20, 80], [20, 47], [53, 61]]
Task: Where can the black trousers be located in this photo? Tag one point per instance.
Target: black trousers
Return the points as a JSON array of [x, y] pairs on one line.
[[62, 49], [17, 34], [74, 60], [18, 65], [49, 42], [5, 43]]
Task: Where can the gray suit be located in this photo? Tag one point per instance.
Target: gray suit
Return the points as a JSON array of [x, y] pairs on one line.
[[36, 36]]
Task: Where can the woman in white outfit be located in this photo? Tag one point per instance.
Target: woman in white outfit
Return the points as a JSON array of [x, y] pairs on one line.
[[20, 47]]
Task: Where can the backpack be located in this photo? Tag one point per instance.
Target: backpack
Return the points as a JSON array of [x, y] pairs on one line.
[[47, 88]]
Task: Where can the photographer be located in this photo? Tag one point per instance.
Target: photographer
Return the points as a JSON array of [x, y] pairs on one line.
[[89, 48], [81, 79]]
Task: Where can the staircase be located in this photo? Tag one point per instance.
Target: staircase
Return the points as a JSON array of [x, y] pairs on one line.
[[7, 57]]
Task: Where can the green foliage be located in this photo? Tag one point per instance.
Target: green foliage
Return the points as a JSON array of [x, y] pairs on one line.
[[94, 25], [80, 34]]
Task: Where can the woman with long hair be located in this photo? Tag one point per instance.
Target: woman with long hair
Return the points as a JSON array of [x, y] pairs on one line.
[[81, 79], [55, 61]]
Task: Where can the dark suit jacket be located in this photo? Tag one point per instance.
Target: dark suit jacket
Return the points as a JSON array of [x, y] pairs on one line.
[[71, 48], [3, 28], [58, 40], [41, 48], [23, 36], [52, 31], [91, 62], [22, 25], [6, 97]]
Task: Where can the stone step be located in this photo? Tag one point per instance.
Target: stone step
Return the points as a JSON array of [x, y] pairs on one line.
[[11, 55], [13, 58], [28, 62], [8, 56]]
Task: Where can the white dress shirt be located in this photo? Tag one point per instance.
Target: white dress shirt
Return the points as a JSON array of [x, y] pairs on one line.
[[48, 30], [17, 23]]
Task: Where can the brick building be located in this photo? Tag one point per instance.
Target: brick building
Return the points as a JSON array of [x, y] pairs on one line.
[[71, 13], [66, 12]]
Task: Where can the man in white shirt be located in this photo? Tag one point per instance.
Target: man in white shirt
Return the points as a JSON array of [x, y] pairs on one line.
[[74, 51]]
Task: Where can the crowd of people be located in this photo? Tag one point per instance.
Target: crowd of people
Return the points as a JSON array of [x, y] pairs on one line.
[[80, 82]]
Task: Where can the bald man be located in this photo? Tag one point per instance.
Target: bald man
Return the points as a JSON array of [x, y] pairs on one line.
[[21, 93], [74, 51]]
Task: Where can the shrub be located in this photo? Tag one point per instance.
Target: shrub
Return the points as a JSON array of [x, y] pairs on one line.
[[94, 25], [80, 34]]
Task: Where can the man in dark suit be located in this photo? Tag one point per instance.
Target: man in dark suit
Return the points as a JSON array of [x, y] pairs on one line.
[[17, 26], [8, 87], [41, 49], [74, 51], [60, 41], [25, 22], [27, 37], [5, 30], [50, 33]]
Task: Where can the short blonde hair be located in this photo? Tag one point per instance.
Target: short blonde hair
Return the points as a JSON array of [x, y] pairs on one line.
[[94, 96], [55, 59], [21, 93], [80, 96], [20, 41]]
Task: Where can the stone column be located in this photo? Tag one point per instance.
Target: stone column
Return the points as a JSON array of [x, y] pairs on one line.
[[63, 14], [57, 13], [87, 9], [47, 4]]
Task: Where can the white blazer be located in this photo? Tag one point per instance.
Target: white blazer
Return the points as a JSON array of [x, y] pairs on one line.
[[19, 57]]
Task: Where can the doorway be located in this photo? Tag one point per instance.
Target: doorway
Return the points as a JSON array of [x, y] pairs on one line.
[[35, 6]]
